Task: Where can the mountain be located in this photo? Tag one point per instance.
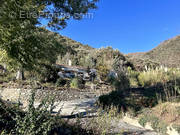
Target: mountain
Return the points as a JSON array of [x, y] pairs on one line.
[[166, 53]]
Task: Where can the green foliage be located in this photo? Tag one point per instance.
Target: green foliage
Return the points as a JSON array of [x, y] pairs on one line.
[[74, 83], [77, 83], [7, 76], [4, 59], [143, 121], [133, 77], [166, 81], [25, 43], [7, 114], [121, 82], [120, 67], [86, 56], [61, 82], [34, 121], [103, 72], [155, 122], [47, 73], [121, 100], [37, 120], [152, 78]]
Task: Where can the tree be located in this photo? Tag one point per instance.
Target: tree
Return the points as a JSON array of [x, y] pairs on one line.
[[20, 37], [120, 65], [103, 72]]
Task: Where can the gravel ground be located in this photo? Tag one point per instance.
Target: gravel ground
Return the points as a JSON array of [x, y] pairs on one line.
[[71, 98], [66, 95]]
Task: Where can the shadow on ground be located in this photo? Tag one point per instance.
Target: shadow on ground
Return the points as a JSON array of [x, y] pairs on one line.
[[135, 99]]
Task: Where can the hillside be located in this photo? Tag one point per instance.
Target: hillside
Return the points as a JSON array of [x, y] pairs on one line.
[[166, 53], [86, 56]]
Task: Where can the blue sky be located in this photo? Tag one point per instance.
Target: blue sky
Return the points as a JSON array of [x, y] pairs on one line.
[[128, 25]]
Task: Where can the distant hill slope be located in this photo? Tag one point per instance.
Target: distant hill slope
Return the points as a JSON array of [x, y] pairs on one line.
[[87, 56], [74, 44], [136, 55], [167, 54]]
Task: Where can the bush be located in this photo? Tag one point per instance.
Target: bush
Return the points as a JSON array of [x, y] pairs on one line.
[[34, 121], [7, 114], [155, 122], [45, 73], [152, 78], [74, 83], [77, 83], [7, 77], [121, 82], [103, 72], [133, 77], [61, 82], [168, 82]]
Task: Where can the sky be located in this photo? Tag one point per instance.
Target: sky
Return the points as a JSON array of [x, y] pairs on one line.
[[127, 25]]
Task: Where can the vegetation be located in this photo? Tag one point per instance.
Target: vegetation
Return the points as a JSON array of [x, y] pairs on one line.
[[154, 87], [77, 83], [101, 59], [155, 122], [35, 121], [161, 116], [166, 54], [27, 45], [141, 85]]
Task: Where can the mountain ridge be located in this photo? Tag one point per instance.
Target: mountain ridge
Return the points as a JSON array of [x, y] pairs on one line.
[[167, 53]]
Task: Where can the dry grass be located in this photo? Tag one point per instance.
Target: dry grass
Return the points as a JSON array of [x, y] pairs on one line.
[[162, 116], [168, 112]]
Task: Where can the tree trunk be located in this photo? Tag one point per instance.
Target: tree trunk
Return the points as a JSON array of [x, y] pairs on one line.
[[20, 74], [4, 70]]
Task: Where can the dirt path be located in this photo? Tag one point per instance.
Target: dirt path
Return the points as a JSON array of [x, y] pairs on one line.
[[78, 106], [85, 107]]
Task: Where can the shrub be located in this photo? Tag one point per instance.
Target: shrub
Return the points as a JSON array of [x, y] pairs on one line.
[[103, 72], [74, 83], [61, 82], [45, 73], [152, 78], [7, 114], [34, 121], [133, 77], [111, 79], [155, 122], [6, 77], [143, 121], [77, 83], [121, 82]]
